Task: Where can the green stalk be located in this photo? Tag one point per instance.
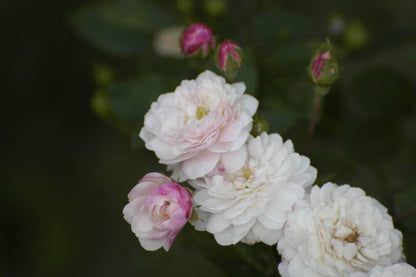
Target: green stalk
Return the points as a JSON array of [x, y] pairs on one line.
[[320, 92]]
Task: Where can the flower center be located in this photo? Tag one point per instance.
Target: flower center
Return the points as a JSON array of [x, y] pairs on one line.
[[352, 238], [160, 212], [247, 173], [201, 112]]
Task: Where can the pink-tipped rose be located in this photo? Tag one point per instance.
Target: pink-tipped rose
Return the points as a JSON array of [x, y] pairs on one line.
[[201, 123], [157, 210], [229, 56], [197, 37]]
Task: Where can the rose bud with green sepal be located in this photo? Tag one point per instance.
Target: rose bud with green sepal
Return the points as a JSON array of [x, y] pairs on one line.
[[198, 38]]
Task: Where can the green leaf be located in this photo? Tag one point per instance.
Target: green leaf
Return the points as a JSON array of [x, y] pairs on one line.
[[280, 120], [121, 27], [292, 94], [248, 73], [130, 100]]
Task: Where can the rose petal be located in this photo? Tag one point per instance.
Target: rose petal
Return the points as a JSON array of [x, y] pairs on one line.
[[200, 165]]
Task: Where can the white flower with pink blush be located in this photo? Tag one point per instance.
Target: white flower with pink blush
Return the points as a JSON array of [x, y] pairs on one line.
[[189, 129], [248, 198], [157, 210]]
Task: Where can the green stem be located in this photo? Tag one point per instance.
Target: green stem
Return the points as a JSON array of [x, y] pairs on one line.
[[320, 92]]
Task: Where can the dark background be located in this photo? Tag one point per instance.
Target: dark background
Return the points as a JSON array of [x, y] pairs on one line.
[[66, 170]]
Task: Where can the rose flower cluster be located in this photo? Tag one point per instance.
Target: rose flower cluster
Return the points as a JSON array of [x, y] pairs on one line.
[[252, 187]]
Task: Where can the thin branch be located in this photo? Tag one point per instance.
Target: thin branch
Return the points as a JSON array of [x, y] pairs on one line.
[[405, 215]]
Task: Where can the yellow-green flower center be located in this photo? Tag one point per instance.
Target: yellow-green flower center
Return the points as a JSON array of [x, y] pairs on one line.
[[201, 112], [247, 173]]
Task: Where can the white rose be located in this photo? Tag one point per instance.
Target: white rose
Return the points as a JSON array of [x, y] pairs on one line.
[[190, 128], [248, 195], [336, 231], [396, 270]]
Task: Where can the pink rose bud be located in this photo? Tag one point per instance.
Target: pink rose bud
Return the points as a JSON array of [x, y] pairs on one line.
[[324, 68], [228, 56], [197, 37], [157, 211]]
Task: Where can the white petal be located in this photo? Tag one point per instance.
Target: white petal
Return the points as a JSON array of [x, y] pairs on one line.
[[162, 149], [296, 267], [141, 223], [255, 148], [216, 223], [267, 236], [240, 87], [145, 135], [249, 104], [132, 208], [151, 245], [206, 74], [233, 161], [200, 165], [226, 237], [240, 141]]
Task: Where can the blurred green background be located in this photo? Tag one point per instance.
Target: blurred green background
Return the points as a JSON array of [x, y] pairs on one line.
[[78, 76]]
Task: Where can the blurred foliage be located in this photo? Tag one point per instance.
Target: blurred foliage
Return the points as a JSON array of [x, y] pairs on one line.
[[71, 223]]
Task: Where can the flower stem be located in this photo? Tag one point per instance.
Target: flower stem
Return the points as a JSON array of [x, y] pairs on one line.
[[320, 92], [405, 215]]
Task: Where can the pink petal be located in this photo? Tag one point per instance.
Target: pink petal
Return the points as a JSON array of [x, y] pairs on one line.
[[231, 132]]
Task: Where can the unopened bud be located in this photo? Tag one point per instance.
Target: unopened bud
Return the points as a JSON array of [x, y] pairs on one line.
[[260, 125], [324, 68], [197, 38], [229, 56]]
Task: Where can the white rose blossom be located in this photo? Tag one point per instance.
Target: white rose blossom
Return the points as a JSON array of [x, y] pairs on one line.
[[396, 270], [337, 231], [247, 196], [190, 128]]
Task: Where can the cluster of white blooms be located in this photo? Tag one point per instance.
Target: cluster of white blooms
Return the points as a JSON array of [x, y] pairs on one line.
[[335, 231], [258, 189]]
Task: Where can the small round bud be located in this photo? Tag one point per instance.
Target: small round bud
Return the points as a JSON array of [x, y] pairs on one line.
[[324, 68], [197, 38], [228, 56], [260, 125]]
